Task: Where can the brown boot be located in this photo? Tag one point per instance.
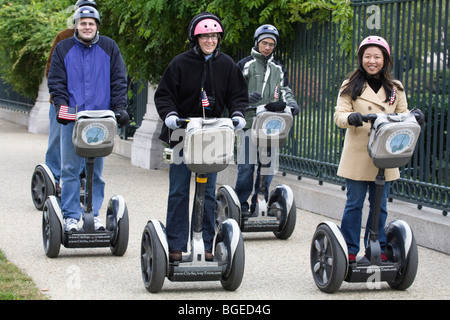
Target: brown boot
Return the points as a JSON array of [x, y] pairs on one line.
[[175, 255], [209, 256]]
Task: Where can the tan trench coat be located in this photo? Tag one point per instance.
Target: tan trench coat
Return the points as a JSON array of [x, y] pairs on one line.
[[355, 162]]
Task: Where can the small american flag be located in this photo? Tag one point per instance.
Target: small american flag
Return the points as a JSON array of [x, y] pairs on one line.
[[276, 93], [67, 113], [205, 101]]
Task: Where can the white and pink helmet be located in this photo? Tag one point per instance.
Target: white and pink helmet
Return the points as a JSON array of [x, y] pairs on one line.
[[375, 40], [203, 23], [207, 26]]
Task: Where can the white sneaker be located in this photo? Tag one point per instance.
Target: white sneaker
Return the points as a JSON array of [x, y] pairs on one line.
[[98, 224], [70, 224]]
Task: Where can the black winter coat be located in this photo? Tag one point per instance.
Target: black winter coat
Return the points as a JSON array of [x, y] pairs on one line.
[[179, 91]]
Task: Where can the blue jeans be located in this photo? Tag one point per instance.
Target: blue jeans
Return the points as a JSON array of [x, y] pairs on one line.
[[53, 154], [351, 220], [71, 168], [247, 158], [177, 221]]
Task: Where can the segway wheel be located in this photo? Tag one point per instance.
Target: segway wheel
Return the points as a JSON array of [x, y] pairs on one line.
[[41, 187], [234, 278], [226, 207], [153, 260], [119, 243], [51, 230], [287, 223], [328, 262], [407, 273]]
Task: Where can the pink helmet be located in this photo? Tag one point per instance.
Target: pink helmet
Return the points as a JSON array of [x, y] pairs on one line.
[[375, 40], [207, 26]]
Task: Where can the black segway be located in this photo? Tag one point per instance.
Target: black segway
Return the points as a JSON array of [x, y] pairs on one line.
[[228, 264], [93, 136], [392, 141], [270, 129]]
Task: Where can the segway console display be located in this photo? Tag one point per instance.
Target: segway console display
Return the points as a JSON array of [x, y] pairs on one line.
[[93, 138], [209, 144], [393, 139], [271, 127]]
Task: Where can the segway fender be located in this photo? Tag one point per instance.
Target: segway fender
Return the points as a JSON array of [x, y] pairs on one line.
[[401, 230], [342, 244], [283, 194], [161, 232], [117, 207], [230, 232], [233, 195], [57, 208], [47, 171]]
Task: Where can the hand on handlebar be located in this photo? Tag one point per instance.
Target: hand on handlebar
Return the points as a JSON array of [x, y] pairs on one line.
[[238, 122], [355, 119], [172, 122], [418, 114], [294, 108]]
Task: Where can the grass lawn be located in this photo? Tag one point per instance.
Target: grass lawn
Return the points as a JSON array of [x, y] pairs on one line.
[[15, 284]]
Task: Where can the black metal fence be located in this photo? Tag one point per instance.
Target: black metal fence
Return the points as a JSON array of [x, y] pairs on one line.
[[10, 99]]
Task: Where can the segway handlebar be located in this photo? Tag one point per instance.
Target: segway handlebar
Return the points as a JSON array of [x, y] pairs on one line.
[[369, 117], [278, 106], [182, 122]]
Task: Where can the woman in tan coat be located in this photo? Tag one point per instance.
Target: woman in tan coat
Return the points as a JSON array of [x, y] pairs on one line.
[[369, 89]]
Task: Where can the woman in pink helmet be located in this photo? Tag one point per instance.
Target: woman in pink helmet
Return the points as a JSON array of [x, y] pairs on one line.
[[203, 71], [368, 89]]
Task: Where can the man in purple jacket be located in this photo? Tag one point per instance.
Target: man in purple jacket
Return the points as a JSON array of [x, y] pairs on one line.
[[87, 73]]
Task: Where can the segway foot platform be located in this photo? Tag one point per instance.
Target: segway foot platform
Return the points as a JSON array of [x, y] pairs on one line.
[[80, 239]]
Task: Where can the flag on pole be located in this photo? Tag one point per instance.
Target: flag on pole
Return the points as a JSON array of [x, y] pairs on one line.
[[205, 101], [67, 113]]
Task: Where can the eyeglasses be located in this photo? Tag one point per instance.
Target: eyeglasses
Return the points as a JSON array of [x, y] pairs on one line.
[[265, 44], [209, 36]]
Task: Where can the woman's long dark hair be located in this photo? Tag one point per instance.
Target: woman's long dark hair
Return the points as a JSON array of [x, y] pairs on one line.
[[357, 78]]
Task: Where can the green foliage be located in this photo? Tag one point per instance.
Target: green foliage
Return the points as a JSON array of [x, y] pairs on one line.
[[149, 32], [27, 29]]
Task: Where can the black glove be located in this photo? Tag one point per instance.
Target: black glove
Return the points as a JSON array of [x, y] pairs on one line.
[[254, 97], [294, 108], [65, 114], [355, 119], [420, 117], [122, 116]]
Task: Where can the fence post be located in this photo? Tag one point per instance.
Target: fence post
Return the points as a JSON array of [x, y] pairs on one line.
[[147, 149], [39, 122]]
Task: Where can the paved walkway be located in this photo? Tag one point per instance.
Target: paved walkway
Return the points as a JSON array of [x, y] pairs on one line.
[[274, 269]]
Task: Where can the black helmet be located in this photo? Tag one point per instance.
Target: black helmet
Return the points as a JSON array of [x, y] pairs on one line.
[[86, 12], [196, 20], [266, 31], [82, 3]]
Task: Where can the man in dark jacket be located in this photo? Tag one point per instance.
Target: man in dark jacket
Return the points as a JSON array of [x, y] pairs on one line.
[[202, 72], [267, 82], [87, 73]]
